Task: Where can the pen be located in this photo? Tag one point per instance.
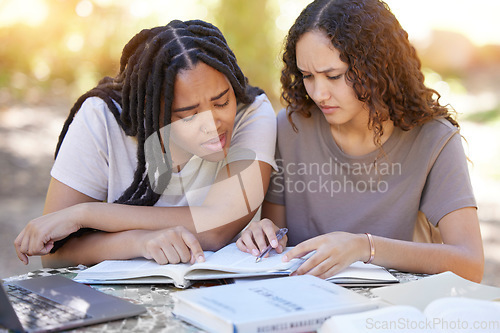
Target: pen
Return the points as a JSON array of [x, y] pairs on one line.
[[279, 235]]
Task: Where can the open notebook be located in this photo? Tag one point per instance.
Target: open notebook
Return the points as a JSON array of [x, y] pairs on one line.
[[56, 303], [228, 262]]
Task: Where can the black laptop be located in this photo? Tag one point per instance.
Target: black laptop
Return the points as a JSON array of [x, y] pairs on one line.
[[54, 303]]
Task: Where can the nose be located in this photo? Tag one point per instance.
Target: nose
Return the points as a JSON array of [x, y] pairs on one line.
[[210, 121], [320, 91]]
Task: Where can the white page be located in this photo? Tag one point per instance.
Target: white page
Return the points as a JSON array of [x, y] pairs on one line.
[[231, 259], [133, 268], [467, 310], [421, 292], [361, 271]]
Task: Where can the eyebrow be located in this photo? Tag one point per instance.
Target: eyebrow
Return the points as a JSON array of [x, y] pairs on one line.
[[323, 71], [187, 108]]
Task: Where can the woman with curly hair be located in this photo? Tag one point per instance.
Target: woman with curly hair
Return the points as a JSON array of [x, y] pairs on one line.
[[171, 156], [364, 148]]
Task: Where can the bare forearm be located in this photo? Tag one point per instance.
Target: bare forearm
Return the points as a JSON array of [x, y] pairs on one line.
[[95, 247], [115, 218], [427, 258]]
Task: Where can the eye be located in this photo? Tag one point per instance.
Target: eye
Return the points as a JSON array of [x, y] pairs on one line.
[[223, 104], [305, 77], [187, 119], [336, 77]]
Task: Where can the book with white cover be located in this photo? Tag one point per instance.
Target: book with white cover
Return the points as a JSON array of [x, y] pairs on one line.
[[447, 314], [287, 304], [228, 262], [359, 274], [422, 292]]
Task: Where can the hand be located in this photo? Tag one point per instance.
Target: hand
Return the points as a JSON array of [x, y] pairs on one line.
[[172, 246], [39, 235], [255, 238], [334, 252]]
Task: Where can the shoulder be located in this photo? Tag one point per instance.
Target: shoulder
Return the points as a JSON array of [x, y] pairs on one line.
[[439, 126], [261, 105], [260, 112], [438, 131], [94, 110], [302, 123]]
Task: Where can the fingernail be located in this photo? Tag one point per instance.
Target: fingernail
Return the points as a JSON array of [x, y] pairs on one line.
[[274, 243], [201, 259], [255, 252], [285, 258]]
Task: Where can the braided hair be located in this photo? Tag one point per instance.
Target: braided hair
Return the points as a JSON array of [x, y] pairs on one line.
[[383, 67], [144, 89]]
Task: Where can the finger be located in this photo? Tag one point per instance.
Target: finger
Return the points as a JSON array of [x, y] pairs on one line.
[[194, 246], [17, 246], [270, 232], [23, 257], [182, 251], [46, 249], [282, 244], [158, 255], [179, 245], [260, 238], [171, 254], [249, 243], [332, 271], [241, 246], [299, 251], [317, 267]]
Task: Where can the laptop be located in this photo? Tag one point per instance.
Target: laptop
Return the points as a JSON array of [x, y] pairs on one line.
[[53, 303]]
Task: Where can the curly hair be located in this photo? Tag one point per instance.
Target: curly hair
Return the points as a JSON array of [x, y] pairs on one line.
[[383, 67], [148, 67]]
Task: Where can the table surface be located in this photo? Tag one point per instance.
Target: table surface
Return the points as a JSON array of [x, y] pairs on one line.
[[158, 301]]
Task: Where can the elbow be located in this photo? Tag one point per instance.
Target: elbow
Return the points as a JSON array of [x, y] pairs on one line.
[[213, 240], [56, 261], [477, 270], [217, 238], [472, 269]]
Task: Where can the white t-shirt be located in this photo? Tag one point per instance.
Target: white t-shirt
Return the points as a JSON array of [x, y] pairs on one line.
[[98, 159]]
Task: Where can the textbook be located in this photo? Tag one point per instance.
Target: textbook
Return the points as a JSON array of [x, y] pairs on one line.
[[286, 304], [228, 262], [447, 314]]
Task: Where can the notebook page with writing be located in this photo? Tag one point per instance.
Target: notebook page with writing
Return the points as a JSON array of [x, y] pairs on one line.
[[231, 259]]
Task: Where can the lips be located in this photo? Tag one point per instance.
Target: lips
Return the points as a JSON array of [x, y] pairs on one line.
[[215, 144], [328, 109]]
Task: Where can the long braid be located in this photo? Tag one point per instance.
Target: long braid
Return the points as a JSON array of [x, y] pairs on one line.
[[144, 89]]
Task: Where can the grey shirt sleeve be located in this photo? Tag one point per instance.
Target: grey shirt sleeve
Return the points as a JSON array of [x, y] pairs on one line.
[[448, 186]]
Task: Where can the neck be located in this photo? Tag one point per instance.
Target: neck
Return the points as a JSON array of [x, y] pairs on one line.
[[359, 140], [179, 157]]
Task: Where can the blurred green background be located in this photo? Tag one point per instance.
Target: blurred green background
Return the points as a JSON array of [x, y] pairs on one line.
[[52, 51]]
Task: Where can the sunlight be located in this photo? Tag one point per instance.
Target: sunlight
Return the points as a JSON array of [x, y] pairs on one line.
[[478, 21], [29, 12], [84, 8]]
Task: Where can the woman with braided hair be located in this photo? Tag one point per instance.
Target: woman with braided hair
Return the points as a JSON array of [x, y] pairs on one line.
[[363, 149], [171, 156]]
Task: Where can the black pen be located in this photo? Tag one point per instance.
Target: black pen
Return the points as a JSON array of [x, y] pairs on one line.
[[279, 235]]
